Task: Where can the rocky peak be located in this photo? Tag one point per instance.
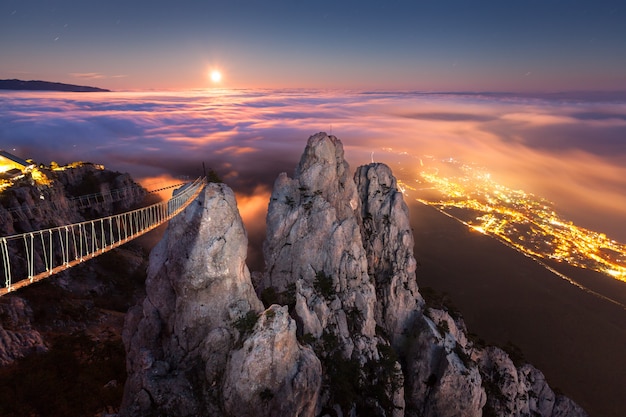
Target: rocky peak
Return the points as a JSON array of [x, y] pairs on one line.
[[388, 242], [314, 248], [198, 285], [314, 244], [198, 344], [323, 169], [345, 332]]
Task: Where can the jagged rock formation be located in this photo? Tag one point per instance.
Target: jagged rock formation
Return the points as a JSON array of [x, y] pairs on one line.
[[306, 224], [273, 367], [353, 336], [314, 247], [388, 242], [187, 343], [441, 379], [310, 219], [519, 391]]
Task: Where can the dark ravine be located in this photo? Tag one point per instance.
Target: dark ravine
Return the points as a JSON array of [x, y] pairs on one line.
[[344, 330]]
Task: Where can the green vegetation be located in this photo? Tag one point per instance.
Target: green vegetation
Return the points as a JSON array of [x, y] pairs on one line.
[[330, 342], [349, 383], [495, 397], [515, 353], [307, 339], [443, 328], [270, 296], [354, 319], [324, 285], [245, 324], [439, 301], [345, 380], [266, 394], [212, 176], [270, 314], [382, 378], [476, 340], [465, 358]]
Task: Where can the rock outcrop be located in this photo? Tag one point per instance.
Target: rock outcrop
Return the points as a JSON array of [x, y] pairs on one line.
[[314, 246], [188, 342], [441, 378], [30, 205], [346, 331], [314, 255], [388, 242], [519, 391], [272, 375]]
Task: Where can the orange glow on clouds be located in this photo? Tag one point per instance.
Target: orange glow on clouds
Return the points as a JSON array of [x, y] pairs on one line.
[[163, 185], [253, 207], [569, 151], [253, 210]]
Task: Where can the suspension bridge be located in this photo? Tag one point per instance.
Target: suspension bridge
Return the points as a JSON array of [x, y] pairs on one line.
[[30, 257], [21, 213]]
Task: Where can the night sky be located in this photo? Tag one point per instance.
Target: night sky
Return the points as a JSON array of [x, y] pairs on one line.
[[462, 45]]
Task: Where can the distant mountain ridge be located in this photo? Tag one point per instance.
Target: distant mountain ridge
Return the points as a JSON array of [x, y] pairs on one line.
[[46, 86]]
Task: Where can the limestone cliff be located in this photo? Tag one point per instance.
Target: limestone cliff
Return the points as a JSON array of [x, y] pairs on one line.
[[388, 242], [314, 247], [345, 332], [190, 342], [314, 253]]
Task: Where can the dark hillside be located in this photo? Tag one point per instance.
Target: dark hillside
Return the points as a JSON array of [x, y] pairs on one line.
[[46, 86]]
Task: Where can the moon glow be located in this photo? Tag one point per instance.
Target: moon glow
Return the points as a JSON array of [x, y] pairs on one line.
[[216, 76]]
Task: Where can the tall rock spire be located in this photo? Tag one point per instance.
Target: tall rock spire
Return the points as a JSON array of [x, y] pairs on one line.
[[314, 248], [388, 242], [198, 285]]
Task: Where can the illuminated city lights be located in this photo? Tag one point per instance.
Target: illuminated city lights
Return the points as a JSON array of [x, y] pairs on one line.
[[521, 220]]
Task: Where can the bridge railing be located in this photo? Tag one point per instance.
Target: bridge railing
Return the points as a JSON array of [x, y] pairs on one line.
[[32, 256]]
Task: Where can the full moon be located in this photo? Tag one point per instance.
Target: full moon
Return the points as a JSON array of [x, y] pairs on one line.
[[216, 76]]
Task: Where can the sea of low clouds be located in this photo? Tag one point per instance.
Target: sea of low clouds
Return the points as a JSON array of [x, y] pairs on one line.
[[569, 149]]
